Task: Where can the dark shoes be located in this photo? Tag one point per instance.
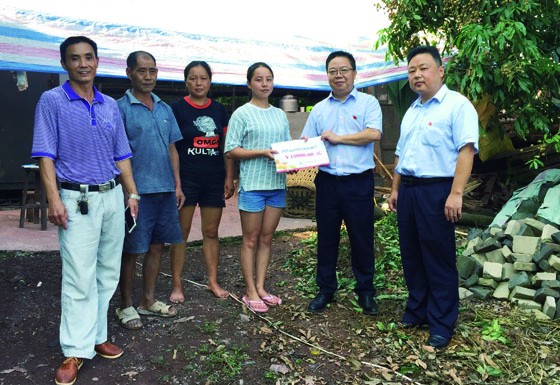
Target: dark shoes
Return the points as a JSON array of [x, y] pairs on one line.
[[438, 342], [368, 304], [108, 350], [319, 303], [67, 373]]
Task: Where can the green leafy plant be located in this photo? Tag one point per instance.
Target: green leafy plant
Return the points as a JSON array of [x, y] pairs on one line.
[[388, 265], [388, 268], [493, 331], [218, 363], [209, 327], [503, 55], [487, 370]]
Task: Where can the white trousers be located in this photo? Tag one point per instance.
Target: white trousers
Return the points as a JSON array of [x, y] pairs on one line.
[[91, 250]]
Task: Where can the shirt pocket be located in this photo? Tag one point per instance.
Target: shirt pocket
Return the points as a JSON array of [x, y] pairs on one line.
[[432, 134]]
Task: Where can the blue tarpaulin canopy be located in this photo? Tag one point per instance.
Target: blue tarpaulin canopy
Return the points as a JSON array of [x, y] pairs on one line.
[[294, 37]]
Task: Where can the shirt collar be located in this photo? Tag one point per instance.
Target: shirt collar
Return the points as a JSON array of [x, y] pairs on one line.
[[439, 96], [351, 94], [134, 100], [72, 95]]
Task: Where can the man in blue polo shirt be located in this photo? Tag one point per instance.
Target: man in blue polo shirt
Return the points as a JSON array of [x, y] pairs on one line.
[[152, 131], [434, 158], [80, 140]]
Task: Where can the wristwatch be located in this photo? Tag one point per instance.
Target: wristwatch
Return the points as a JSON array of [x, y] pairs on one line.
[[134, 196]]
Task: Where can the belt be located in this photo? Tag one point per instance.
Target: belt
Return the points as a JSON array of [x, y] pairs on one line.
[[103, 187], [412, 180], [349, 176]]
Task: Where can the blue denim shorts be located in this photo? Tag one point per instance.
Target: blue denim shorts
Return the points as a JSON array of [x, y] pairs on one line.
[[255, 201], [157, 222]]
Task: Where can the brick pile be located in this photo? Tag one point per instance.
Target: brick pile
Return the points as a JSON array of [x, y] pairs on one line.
[[519, 262]]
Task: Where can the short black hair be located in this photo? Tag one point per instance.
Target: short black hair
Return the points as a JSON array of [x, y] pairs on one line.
[[433, 51], [251, 70], [132, 59], [345, 54], [75, 40], [196, 63]]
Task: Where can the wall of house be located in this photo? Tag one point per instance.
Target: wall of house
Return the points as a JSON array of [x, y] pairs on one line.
[[17, 110]]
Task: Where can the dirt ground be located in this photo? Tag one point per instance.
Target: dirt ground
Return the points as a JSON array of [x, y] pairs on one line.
[[214, 341], [180, 350]]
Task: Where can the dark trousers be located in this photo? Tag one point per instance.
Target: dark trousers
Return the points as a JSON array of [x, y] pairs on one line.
[[350, 199], [427, 242]]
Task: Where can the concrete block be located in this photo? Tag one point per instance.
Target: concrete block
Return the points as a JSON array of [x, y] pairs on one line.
[[544, 252], [549, 307], [500, 236], [552, 284], [501, 291], [544, 265], [543, 292], [520, 257], [519, 292], [487, 245], [554, 262], [512, 228], [547, 232], [481, 292], [555, 247], [492, 270], [527, 304], [526, 231], [480, 258], [507, 271], [466, 266], [538, 278], [495, 256], [464, 294], [471, 281], [507, 253], [555, 237], [534, 224], [494, 230], [525, 266], [487, 282], [525, 245], [507, 242], [519, 278]]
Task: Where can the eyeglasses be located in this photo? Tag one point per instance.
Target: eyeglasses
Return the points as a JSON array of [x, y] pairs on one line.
[[342, 71]]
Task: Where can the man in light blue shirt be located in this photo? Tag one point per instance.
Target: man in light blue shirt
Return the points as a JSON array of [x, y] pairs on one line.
[[348, 122], [434, 158]]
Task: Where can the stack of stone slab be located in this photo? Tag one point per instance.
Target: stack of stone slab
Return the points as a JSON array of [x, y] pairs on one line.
[[519, 262]]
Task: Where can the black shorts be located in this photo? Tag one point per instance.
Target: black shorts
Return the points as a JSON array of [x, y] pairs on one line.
[[205, 193]]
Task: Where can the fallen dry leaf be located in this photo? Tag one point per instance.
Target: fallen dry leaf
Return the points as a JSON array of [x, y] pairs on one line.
[[14, 369], [453, 374], [279, 368]]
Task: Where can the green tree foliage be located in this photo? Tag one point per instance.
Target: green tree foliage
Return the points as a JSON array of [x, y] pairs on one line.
[[502, 52]]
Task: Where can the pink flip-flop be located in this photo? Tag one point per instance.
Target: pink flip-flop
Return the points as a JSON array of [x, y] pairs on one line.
[[257, 306], [272, 300]]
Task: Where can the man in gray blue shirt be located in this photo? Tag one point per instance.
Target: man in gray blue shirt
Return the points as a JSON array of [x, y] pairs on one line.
[[152, 131]]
